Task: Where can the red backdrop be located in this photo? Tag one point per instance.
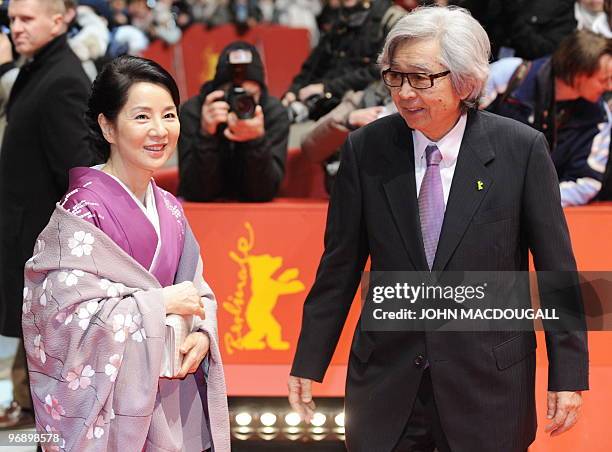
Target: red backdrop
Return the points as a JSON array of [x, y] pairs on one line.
[[193, 60]]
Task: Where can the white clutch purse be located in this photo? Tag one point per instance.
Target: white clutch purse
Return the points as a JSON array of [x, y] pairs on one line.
[[177, 329]]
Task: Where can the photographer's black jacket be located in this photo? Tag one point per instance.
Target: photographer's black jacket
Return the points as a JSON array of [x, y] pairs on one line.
[[213, 167]]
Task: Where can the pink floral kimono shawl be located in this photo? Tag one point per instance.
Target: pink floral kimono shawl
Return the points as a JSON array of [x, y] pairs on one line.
[[94, 325]]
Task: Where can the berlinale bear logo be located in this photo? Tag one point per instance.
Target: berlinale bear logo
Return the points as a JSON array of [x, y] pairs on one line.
[[255, 327]]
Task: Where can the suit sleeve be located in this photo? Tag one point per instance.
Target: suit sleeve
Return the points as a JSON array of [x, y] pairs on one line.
[[338, 275], [64, 130], [549, 240]]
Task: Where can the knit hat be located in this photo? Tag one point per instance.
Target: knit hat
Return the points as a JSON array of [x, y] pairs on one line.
[[227, 72], [224, 73]]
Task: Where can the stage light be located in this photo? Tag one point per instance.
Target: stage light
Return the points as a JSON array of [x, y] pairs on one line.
[[318, 419], [268, 436], [242, 433], [339, 419], [318, 433], [293, 437], [268, 430], [292, 419], [268, 419], [243, 419]]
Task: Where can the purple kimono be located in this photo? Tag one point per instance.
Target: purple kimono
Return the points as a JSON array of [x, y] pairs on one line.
[[94, 325]]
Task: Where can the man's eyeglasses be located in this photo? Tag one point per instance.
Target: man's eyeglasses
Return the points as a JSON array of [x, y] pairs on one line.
[[418, 80]]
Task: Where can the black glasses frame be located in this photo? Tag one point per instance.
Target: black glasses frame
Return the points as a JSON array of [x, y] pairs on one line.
[[405, 76]]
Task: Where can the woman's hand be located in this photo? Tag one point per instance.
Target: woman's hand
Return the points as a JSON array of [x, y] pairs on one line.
[[194, 348], [183, 299]]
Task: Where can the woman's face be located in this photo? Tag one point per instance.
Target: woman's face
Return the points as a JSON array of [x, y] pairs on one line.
[[146, 130]]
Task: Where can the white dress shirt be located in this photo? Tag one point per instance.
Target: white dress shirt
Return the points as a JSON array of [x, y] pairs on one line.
[[448, 145]]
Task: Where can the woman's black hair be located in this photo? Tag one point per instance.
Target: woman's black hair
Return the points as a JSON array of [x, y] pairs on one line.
[[110, 92]]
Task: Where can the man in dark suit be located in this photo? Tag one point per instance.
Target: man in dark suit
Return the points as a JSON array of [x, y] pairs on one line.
[[46, 135], [440, 186]]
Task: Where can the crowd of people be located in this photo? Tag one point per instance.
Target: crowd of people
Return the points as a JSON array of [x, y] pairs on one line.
[[550, 68]]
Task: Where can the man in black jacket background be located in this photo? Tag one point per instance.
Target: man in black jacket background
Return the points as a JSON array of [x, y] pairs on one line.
[[46, 135], [345, 58], [527, 29], [233, 142]]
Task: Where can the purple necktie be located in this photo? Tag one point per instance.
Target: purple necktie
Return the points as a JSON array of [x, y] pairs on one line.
[[431, 203]]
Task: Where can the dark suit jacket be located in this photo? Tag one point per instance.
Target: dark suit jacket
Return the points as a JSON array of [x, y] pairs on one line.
[[483, 381], [45, 136]]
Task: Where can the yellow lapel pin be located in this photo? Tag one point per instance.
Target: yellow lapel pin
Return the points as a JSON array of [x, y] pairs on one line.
[[479, 185]]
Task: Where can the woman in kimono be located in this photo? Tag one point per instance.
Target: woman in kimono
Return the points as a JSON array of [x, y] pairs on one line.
[[116, 258]]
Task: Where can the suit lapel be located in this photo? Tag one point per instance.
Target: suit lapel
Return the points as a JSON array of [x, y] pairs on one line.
[[400, 189], [471, 182]]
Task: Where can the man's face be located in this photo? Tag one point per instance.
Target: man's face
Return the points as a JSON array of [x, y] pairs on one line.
[[409, 5], [33, 25], [595, 6], [118, 5], [594, 86], [138, 8], [433, 111], [349, 3]]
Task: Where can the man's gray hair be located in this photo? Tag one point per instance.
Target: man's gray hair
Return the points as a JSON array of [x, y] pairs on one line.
[[464, 46]]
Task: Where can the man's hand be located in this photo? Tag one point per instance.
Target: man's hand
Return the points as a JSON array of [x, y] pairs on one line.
[[288, 99], [245, 129], [563, 408], [363, 116], [194, 348], [6, 52], [214, 112], [300, 397], [311, 90]]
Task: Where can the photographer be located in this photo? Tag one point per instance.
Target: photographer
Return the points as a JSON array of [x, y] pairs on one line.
[[233, 141], [344, 59]]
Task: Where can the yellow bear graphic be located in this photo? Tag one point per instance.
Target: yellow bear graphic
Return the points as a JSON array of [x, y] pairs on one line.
[[265, 290]]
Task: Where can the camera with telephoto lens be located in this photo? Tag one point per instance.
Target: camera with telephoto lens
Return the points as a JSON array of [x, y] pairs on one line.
[[240, 102]]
